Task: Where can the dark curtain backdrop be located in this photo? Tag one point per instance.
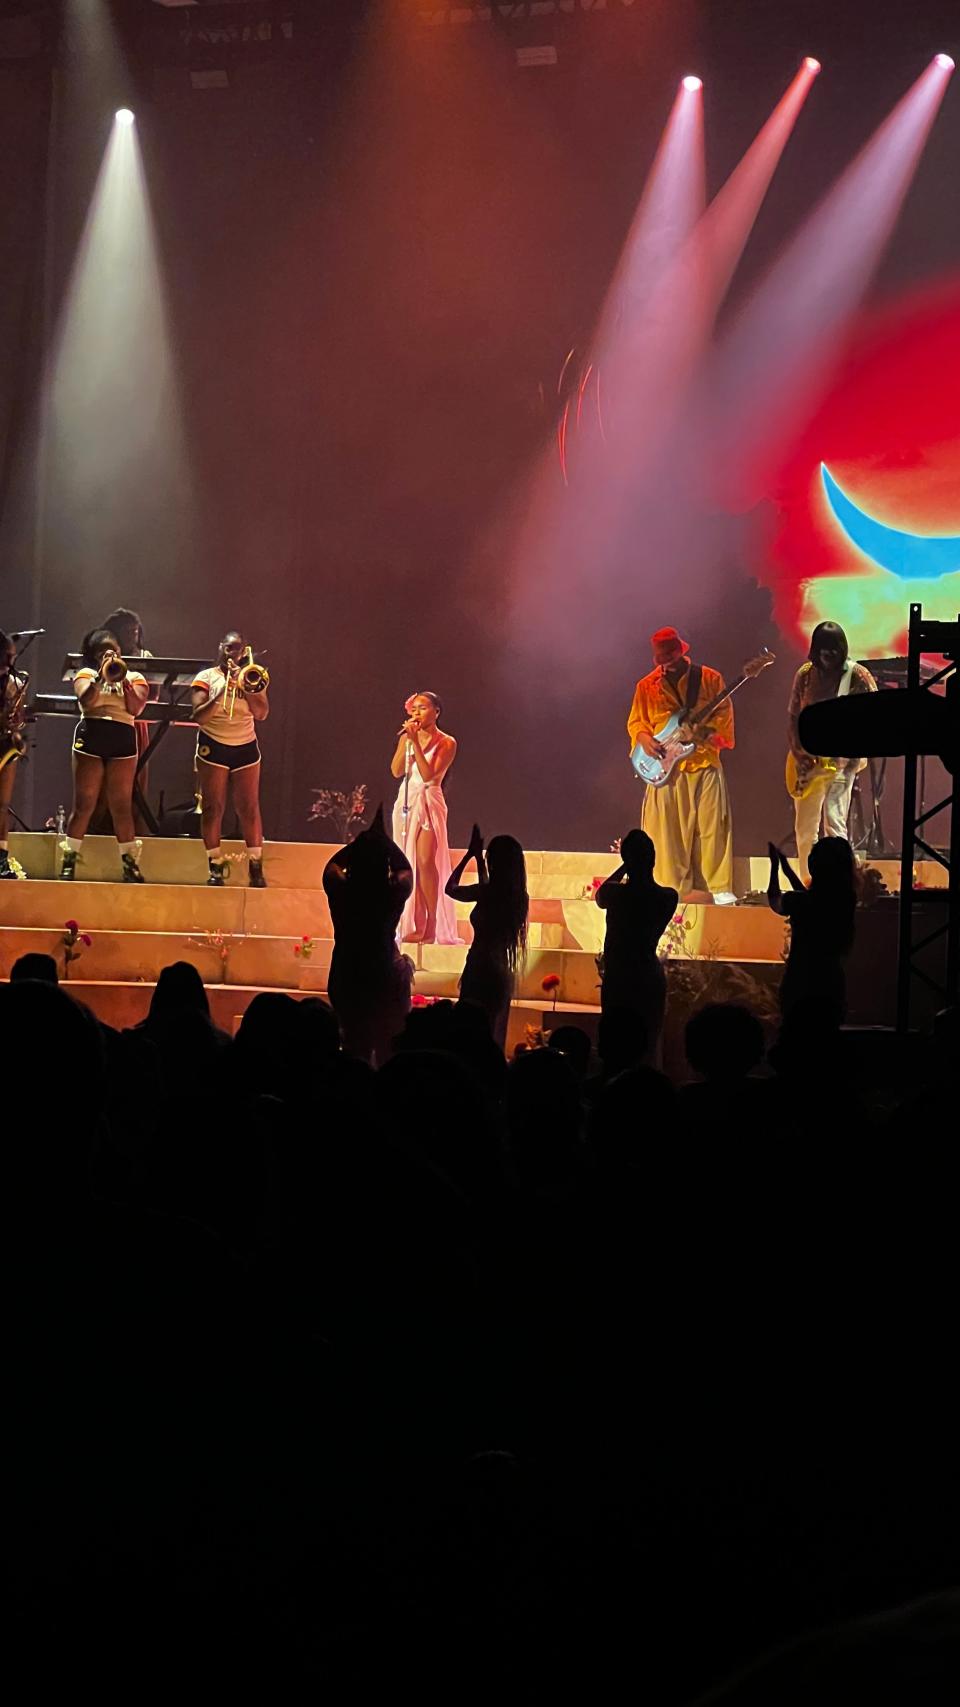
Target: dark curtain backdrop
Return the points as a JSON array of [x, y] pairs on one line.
[[25, 93], [377, 250]]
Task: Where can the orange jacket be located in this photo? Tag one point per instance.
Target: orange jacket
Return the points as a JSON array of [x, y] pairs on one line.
[[655, 699]]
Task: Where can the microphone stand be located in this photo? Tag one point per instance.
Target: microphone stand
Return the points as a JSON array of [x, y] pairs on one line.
[[406, 786]]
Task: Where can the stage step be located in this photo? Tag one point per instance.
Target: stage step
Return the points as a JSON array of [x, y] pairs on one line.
[[193, 907], [299, 866]]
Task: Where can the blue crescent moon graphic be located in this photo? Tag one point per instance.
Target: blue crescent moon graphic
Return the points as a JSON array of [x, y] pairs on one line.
[[912, 556]]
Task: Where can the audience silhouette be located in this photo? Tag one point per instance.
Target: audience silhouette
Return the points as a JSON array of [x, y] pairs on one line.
[[343, 1349], [638, 911], [499, 921], [367, 885], [822, 921]]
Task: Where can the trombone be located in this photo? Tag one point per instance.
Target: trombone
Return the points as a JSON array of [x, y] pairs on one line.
[[248, 677]]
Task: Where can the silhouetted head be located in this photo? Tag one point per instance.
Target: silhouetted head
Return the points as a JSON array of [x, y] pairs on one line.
[[505, 902], [505, 862], [96, 644], [638, 854], [42, 967], [724, 1041], [55, 1032], [543, 1117], [367, 854], [128, 628], [832, 865], [231, 648], [574, 1045], [828, 646], [8, 653], [179, 990]]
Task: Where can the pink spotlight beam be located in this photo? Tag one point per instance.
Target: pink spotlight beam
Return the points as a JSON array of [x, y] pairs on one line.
[[692, 84], [768, 371], [728, 221], [671, 204]]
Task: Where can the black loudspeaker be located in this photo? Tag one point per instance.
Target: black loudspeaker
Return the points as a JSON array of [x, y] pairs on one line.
[[872, 966]]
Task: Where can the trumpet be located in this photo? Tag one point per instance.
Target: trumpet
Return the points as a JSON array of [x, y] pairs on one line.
[[248, 677], [113, 669]]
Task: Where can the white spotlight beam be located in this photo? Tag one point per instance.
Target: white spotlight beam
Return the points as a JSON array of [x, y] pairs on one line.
[[769, 370]]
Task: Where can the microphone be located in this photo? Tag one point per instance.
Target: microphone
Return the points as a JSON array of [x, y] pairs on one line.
[[27, 633]]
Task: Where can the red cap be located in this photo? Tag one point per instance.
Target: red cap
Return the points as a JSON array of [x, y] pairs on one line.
[[666, 643]]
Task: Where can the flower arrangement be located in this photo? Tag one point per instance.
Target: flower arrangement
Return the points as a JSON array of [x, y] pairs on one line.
[[73, 942], [550, 985], [534, 1037], [673, 940], [589, 891], [13, 864], [304, 948], [346, 812], [221, 942]]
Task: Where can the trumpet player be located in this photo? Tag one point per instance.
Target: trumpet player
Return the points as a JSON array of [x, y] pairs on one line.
[[229, 700], [111, 698], [13, 684]]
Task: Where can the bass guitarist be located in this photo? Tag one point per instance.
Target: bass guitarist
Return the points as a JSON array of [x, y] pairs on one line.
[[687, 817]]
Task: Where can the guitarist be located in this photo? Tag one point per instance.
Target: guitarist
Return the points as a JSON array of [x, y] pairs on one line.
[[688, 818], [821, 787]]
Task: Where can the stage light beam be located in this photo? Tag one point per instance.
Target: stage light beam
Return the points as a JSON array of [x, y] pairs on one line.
[[944, 61], [812, 65], [123, 116], [768, 371], [112, 419], [692, 84]]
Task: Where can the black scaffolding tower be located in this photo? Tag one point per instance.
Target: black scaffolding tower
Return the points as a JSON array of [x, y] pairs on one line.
[[929, 918]]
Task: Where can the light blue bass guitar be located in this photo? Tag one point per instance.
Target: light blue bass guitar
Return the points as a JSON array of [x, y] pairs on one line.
[[655, 769]]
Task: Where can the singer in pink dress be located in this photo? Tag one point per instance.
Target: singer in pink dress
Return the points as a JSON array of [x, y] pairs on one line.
[[422, 759]]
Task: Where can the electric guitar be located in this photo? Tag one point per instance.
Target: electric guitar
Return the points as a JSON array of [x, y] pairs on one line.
[[656, 769]]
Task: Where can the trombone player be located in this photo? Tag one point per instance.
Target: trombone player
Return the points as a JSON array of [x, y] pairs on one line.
[[229, 700]]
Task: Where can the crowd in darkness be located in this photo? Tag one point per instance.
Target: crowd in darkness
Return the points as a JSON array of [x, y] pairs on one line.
[[452, 1372]]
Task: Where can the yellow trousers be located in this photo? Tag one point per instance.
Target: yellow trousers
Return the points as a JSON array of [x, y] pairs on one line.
[[690, 825]]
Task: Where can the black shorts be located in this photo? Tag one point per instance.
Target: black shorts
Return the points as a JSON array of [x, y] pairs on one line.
[[228, 758], [105, 738]]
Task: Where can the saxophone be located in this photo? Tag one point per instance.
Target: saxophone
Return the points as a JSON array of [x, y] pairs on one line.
[[13, 716]]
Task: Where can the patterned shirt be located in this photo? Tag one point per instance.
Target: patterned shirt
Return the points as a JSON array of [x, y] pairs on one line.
[[808, 686]]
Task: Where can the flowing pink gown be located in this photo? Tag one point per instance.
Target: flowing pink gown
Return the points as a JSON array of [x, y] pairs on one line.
[[424, 805]]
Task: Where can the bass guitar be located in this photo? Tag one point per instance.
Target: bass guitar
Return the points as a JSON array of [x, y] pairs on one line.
[[656, 769]]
